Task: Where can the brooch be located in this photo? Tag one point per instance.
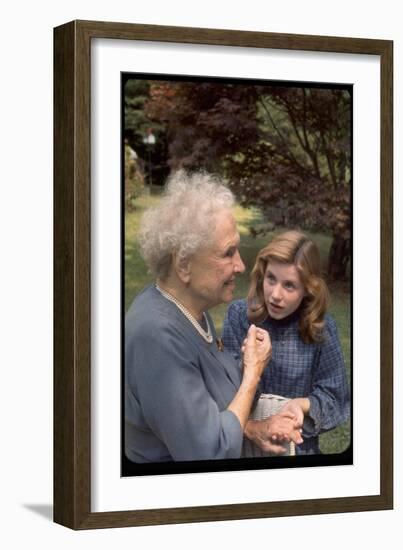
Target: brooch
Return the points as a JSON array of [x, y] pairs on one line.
[[220, 344]]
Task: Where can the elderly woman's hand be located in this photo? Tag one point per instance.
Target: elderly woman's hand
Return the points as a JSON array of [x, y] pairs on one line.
[[270, 433], [256, 351]]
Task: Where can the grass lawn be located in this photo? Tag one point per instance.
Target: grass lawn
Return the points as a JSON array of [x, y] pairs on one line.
[[136, 277]]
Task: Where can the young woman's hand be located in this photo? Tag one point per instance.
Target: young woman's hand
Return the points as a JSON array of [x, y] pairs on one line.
[[298, 407]]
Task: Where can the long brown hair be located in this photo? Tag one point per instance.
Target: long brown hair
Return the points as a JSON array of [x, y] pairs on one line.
[[293, 247]]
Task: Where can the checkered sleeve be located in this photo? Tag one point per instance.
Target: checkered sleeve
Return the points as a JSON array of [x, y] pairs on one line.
[[235, 328], [330, 395]]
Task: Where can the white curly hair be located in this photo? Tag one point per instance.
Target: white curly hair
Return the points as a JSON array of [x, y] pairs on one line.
[[183, 221]]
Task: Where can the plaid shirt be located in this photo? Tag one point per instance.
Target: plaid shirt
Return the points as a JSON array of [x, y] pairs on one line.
[[297, 369]]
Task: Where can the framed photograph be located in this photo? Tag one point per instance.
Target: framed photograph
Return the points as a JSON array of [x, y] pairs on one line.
[[119, 91]]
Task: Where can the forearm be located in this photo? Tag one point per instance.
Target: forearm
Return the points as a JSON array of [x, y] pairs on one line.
[[329, 395], [325, 413], [320, 413], [242, 402], [256, 353]]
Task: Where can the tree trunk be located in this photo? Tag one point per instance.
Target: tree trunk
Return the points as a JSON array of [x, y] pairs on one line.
[[339, 256]]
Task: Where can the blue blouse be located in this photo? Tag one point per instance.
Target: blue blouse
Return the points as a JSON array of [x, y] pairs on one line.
[[297, 369], [177, 387]]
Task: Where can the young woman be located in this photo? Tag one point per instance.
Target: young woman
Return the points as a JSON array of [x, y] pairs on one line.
[[289, 298]]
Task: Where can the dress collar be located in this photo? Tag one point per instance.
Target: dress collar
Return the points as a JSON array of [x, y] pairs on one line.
[[286, 321]]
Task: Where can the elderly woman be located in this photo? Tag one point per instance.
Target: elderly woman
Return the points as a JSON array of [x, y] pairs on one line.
[[186, 398]]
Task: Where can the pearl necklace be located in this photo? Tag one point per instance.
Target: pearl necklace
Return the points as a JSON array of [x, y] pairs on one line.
[[204, 334]]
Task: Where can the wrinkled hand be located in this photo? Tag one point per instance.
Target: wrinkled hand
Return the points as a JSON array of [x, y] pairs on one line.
[[284, 427], [271, 433], [256, 350]]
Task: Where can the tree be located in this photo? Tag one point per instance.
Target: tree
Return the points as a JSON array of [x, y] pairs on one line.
[[285, 149], [305, 156], [137, 125], [204, 121]]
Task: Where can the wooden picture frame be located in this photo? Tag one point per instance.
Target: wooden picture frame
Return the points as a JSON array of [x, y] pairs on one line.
[[72, 274]]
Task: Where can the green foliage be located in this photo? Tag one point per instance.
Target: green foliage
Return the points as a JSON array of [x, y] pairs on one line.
[[136, 274], [137, 124], [136, 96]]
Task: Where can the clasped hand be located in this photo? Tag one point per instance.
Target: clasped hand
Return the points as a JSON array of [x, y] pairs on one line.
[[273, 432], [256, 350]]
